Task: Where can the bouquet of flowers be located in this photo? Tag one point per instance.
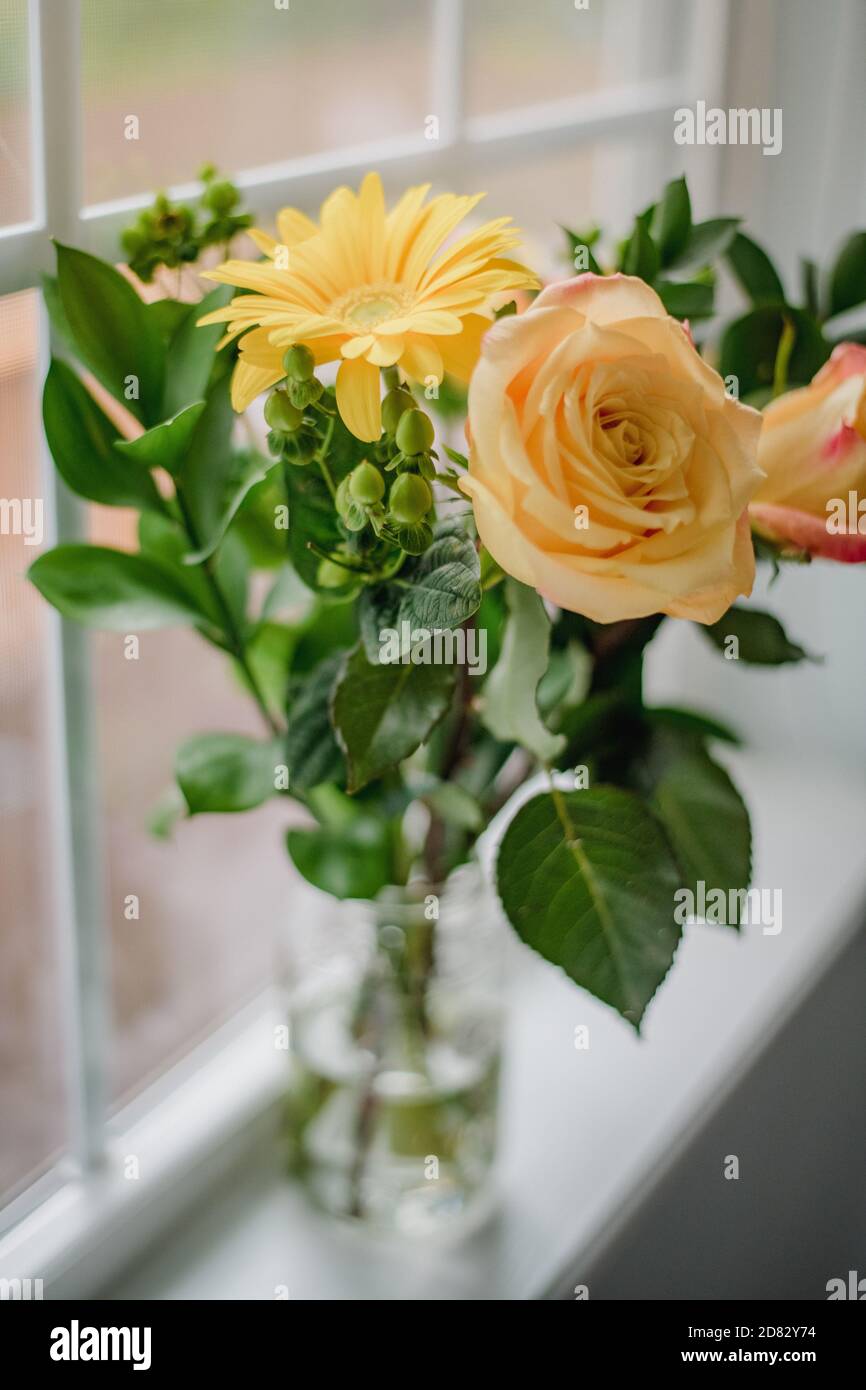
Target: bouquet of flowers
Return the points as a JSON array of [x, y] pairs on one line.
[[475, 612]]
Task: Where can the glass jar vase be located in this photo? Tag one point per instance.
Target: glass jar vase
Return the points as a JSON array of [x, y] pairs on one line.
[[396, 1013]]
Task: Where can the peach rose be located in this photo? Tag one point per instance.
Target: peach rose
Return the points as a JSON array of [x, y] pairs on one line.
[[813, 451], [608, 468]]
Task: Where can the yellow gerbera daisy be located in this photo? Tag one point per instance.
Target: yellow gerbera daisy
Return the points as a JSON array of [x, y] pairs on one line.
[[370, 287]]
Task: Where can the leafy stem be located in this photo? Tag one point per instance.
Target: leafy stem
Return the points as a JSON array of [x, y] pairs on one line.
[[234, 638]]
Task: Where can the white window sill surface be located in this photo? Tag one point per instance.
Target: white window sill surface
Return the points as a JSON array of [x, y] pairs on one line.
[[584, 1133]]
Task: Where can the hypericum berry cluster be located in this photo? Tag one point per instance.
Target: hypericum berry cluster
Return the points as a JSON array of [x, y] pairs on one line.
[[385, 503], [294, 434], [175, 234]]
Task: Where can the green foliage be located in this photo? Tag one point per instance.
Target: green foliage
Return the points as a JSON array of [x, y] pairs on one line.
[[226, 772], [382, 714], [312, 751], [760, 638], [164, 446], [437, 590], [754, 271], [750, 347], [703, 815], [510, 709], [584, 244], [587, 879], [191, 364], [351, 535], [348, 859], [172, 235], [672, 221], [84, 444], [848, 276], [113, 334], [110, 589]]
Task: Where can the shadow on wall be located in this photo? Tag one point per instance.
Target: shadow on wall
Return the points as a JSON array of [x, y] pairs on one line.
[[795, 1218]]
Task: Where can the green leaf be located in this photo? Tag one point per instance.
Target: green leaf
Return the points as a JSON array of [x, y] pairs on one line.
[[168, 315], [212, 477], [269, 652], [164, 445], [755, 271], [312, 521], [190, 358], [848, 276], [163, 539], [687, 299], [672, 220], [327, 628], [312, 516], [810, 281], [165, 814], [510, 710], [206, 470], [761, 639], [587, 879], [566, 681], [455, 805], [641, 255], [62, 333], [113, 590], [312, 751], [577, 242], [250, 470], [439, 590], [456, 457], [82, 441], [350, 862], [707, 241], [706, 822], [382, 714], [750, 345], [113, 333], [691, 725], [226, 772], [255, 524]]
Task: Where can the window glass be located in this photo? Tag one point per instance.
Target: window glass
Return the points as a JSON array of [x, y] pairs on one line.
[[200, 938], [169, 84], [520, 54], [15, 193], [32, 1121]]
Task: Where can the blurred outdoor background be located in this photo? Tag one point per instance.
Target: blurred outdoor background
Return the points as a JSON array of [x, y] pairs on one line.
[[245, 85]]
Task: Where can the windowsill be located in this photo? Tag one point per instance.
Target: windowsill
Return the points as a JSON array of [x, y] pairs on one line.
[[584, 1132]]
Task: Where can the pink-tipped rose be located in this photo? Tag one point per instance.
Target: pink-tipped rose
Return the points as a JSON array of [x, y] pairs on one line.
[[813, 451]]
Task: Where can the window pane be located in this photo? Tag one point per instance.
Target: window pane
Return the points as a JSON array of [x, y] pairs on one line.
[[15, 204], [603, 183], [520, 54], [242, 83], [32, 1125], [211, 898]]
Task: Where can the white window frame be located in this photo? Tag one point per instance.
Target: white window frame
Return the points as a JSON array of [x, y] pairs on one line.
[[80, 1223]]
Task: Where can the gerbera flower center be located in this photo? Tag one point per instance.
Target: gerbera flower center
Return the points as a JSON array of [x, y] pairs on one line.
[[370, 305]]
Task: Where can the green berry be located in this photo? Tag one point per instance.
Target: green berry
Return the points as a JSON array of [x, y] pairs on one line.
[[299, 363], [281, 415], [300, 448], [366, 484], [394, 406], [410, 499], [221, 196], [304, 393], [415, 432], [331, 575]]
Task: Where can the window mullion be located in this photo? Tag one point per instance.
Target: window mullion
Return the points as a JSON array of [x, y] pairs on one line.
[[447, 76], [55, 49]]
